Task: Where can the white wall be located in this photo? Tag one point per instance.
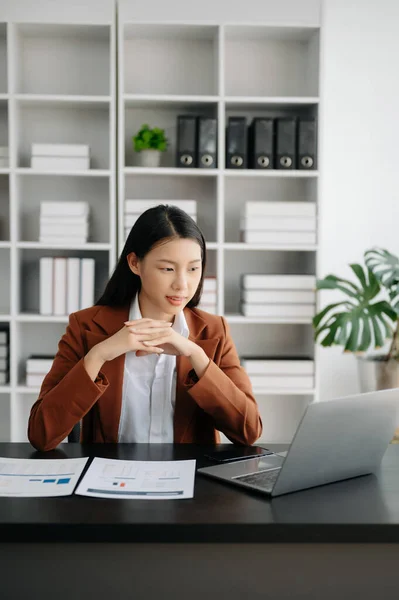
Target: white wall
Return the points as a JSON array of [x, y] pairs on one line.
[[359, 150]]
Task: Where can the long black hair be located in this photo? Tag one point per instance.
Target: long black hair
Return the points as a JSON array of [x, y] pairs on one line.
[[153, 226]]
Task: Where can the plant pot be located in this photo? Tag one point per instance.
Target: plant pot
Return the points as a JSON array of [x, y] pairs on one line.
[[376, 373], [150, 158]]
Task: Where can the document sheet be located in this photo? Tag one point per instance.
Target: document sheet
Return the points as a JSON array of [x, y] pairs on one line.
[[149, 480], [39, 477]]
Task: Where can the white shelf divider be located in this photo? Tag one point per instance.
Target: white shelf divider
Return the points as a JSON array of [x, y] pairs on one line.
[[80, 44]]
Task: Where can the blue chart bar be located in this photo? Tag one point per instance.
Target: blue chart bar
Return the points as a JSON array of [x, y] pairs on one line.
[[49, 480], [63, 481]]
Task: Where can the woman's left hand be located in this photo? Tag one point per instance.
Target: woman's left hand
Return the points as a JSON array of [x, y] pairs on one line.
[[171, 342]]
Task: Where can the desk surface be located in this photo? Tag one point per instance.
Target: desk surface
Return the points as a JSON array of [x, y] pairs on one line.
[[365, 509]]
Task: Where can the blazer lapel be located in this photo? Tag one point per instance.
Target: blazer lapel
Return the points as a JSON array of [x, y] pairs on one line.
[[110, 320], [185, 406]]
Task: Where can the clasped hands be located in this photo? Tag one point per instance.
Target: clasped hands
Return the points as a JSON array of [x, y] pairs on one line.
[[159, 337]]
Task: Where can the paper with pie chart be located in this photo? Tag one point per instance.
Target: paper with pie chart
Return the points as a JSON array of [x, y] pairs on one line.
[[138, 480]]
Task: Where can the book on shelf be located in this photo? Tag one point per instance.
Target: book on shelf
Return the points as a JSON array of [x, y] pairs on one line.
[[87, 275], [78, 150], [35, 379], [60, 156], [3, 351], [278, 296], [39, 363], [4, 336], [277, 365], [3, 377], [209, 285], [64, 209], [278, 224], [4, 157], [285, 382], [65, 163], [278, 310], [279, 237], [66, 284], [278, 282], [4, 364], [263, 208]]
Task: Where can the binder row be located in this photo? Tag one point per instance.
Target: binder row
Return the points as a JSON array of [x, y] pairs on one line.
[[271, 143], [267, 143], [4, 356]]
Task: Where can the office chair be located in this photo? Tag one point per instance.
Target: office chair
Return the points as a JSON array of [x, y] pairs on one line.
[[74, 435]]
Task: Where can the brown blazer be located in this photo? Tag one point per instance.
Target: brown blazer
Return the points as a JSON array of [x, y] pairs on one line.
[[221, 400]]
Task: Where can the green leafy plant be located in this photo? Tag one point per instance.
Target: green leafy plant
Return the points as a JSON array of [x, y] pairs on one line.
[[150, 139], [357, 323]]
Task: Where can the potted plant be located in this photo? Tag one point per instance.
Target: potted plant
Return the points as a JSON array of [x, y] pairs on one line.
[[362, 322], [149, 143]]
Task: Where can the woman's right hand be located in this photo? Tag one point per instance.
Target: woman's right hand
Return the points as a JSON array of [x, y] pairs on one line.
[[126, 340]]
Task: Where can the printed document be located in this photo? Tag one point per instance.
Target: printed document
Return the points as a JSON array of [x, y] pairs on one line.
[[138, 480], [39, 477]]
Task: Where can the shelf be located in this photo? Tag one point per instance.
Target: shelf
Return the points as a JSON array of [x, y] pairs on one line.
[[152, 101], [5, 389], [4, 97], [272, 102], [5, 318], [54, 100], [42, 246], [36, 318], [88, 173], [170, 171], [271, 247], [5, 244], [5, 171], [280, 392], [234, 318]]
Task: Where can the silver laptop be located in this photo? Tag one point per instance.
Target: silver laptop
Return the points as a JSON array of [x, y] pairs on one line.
[[335, 440]]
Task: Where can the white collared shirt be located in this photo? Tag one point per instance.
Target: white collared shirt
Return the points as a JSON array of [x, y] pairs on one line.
[[149, 391]]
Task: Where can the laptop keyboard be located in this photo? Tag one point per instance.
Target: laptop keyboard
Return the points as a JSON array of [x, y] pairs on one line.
[[262, 479]]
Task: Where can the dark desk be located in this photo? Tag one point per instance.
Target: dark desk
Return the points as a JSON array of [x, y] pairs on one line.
[[335, 541]]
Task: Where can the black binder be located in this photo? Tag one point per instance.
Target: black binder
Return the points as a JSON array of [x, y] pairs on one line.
[[261, 143], [286, 143], [236, 143], [307, 141], [186, 144], [207, 143]]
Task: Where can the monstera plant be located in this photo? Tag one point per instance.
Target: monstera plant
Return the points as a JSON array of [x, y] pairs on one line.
[[366, 318], [362, 321]]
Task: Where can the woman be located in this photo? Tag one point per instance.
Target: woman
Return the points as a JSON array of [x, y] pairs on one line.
[[144, 364]]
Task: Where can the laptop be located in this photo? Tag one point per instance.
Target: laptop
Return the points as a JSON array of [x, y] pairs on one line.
[[337, 439]]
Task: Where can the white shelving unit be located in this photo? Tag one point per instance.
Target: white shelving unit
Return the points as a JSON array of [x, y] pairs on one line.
[[57, 85], [222, 69]]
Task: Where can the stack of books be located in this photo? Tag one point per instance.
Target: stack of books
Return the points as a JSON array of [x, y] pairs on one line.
[[291, 296], [64, 222], [37, 367], [279, 223], [66, 284], [4, 357], [60, 157], [277, 373], [134, 208], [208, 300], [4, 157]]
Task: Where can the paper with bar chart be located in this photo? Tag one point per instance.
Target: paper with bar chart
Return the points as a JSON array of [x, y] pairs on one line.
[[138, 480], [39, 477]]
